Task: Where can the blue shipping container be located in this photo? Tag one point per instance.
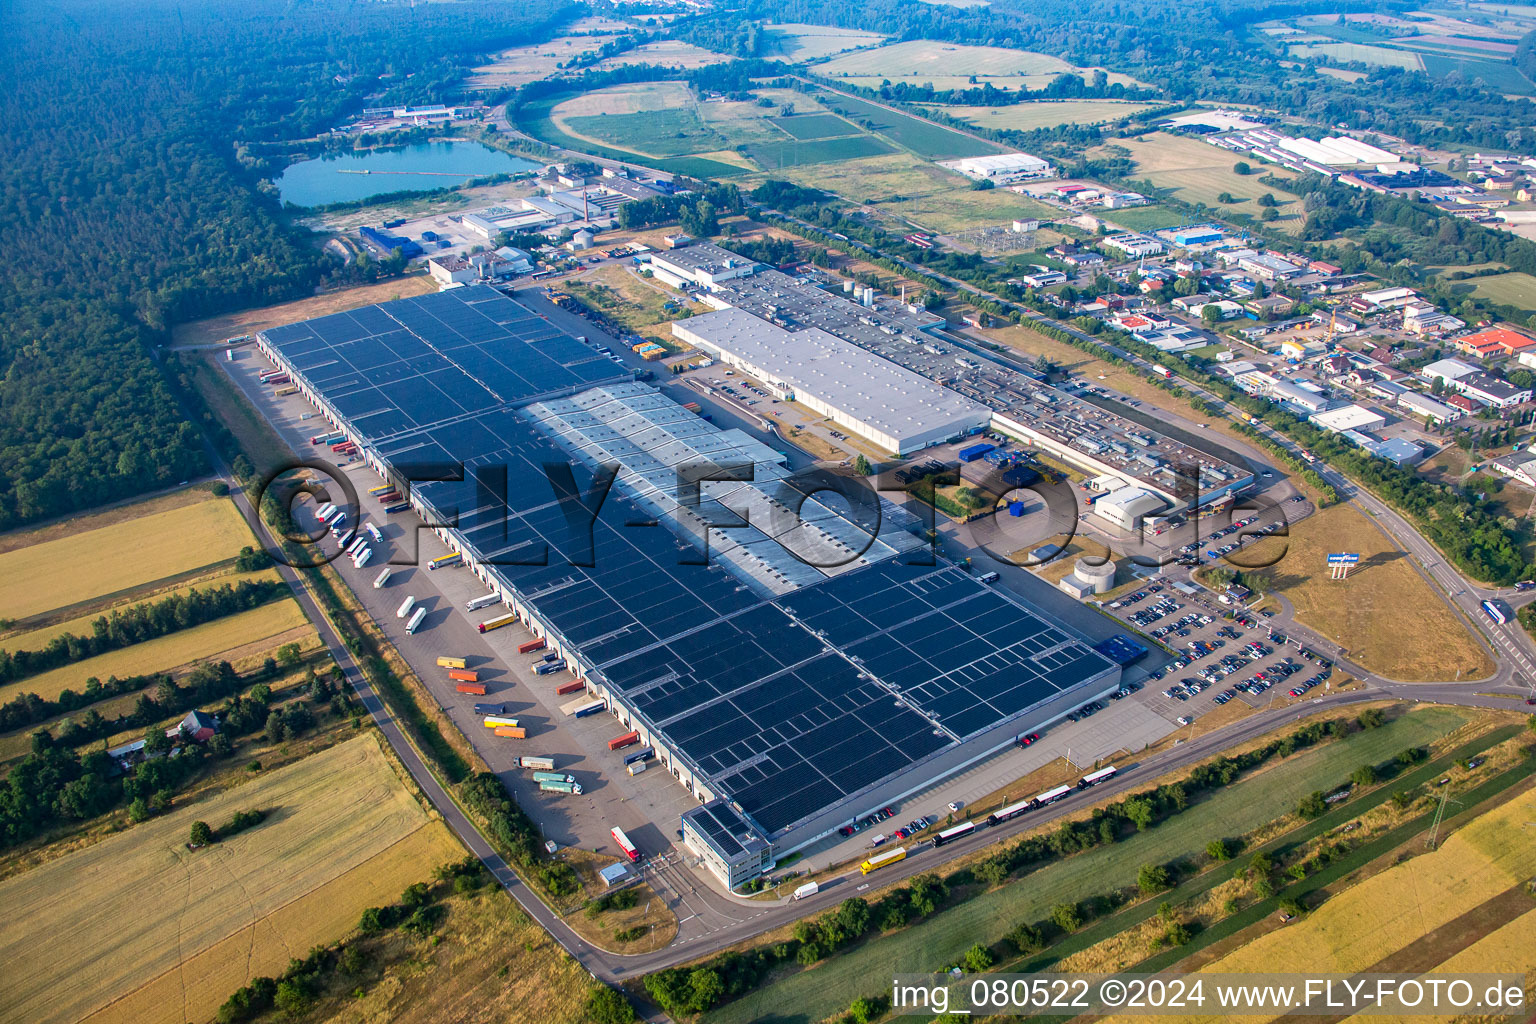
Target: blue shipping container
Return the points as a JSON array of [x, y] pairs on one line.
[[1015, 508], [975, 451]]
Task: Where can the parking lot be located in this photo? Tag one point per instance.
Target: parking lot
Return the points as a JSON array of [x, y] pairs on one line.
[[1218, 659]]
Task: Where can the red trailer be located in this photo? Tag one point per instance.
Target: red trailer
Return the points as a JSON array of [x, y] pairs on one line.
[[464, 675], [625, 845], [529, 646], [574, 686], [478, 689], [628, 739]]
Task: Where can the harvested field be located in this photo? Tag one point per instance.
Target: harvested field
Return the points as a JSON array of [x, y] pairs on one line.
[[525, 64], [676, 132], [1348, 52], [634, 98], [168, 652], [1196, 172], [920, 57], [1387, 912], [97, 924], [249, 321], [1383, 600], [1513, 289], [1025, 117], [57, 573], [36, 639], [668, 53], [800, 43]]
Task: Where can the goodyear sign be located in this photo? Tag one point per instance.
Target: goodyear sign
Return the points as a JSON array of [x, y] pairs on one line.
[[1344, 559]]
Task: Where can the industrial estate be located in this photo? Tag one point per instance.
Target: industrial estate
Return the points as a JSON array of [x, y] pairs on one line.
[[586, 513]]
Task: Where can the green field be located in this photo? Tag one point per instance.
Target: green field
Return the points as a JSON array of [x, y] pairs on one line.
[[1500, 76], [1345, 53], [922, 137], [1228, 812], [1513, 289], [535, 119], [1025, 117], [815, 126], [664, 133], [775, 155], [1145, 218]]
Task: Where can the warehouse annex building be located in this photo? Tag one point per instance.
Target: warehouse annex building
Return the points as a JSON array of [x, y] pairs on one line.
[[786, 710], [873, 397]]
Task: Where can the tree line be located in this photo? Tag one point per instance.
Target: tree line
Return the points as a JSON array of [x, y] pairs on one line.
[[125, 627], [683, 991], [54, 785]]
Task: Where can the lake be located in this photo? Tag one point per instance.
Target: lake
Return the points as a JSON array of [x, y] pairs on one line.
[[345, 178]]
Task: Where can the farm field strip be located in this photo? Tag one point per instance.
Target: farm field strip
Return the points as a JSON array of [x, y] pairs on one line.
[[58, 573], [1366, 54], [264, 946], [1234, 810], [167, 652], [1047, 114], [89, 926], [36, 639], [801, 43], [925, 138]]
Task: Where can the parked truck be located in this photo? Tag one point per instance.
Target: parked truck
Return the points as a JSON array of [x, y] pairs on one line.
[[362, 558], [497, 622], [483, 601], [561, 787], [416, 620], [553, 777], [383, 578], [446, 561], [539, 763]]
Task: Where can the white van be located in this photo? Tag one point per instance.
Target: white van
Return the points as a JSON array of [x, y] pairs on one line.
[[989, 577]]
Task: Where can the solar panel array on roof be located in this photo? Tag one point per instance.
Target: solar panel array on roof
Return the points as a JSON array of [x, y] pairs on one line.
[[413, 362], [784, 706], [723, 826]]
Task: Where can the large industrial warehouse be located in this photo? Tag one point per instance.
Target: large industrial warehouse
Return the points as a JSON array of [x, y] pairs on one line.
[[787, 706], [860, 391]]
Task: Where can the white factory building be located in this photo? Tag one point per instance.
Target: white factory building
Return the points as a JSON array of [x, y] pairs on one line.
[[1002, 168], [1127, 506], [858, 390], [703, 264], [1349, 417]]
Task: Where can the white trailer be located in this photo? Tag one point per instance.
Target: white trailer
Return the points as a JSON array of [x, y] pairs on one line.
[[808, 889], [405, 607], [384, 576], [363, 557], [415, 623], [483, 601]]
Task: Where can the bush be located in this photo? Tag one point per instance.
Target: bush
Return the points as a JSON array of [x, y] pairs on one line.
[[978, 958], [607, 1006], [1365, 775], [1025, 938], [1312, 806], [202, 834], [1220, 849], [1066, 917], [1152, 878]]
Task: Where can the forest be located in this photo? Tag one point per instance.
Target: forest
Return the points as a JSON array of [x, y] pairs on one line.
[[131, 199]]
